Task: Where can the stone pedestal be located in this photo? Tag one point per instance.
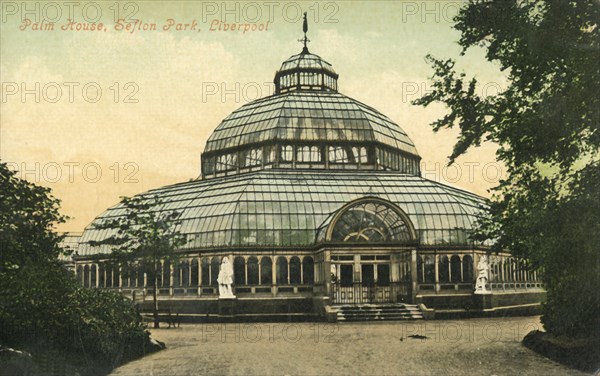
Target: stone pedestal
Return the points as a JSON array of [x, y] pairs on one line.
[[482, 301], [227, 307]]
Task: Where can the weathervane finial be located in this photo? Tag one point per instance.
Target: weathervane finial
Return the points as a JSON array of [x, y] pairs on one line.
[[305, 40]]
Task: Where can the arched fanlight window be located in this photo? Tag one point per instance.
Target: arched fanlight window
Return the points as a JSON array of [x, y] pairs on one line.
[[369, 220]]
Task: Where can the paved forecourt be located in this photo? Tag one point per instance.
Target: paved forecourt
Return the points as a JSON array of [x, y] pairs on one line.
[[475, 346]]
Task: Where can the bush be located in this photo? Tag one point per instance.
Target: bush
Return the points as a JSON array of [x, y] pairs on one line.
[[44, 310]]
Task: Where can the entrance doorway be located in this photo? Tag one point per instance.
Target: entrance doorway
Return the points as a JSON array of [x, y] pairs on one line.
[[371, 283]]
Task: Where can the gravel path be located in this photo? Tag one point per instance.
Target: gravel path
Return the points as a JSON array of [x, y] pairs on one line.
[[451, 347]]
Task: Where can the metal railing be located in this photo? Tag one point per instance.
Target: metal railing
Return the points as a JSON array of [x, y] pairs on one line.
[[358, 293]]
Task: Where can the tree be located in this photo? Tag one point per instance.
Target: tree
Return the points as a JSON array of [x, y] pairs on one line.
[[142, 238], [545, 124], [43, 310], [28, 215], [28, 246]]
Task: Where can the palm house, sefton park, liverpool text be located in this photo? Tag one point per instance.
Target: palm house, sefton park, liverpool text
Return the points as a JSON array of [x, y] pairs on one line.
[[318, 203]]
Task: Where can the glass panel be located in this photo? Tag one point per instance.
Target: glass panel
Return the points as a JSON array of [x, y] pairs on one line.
[[239, 271], [205, 271], [367, 274], [194, 272], [266, 272], [429, 269], [346, 275], [308, 273], [468, 268], [282, 270], [295, 277], [443, 269], [214, 270], [252, 270], [455, 269], [383, 274]]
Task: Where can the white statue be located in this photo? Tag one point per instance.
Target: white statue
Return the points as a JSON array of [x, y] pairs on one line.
[[225, 279], [482, 275]]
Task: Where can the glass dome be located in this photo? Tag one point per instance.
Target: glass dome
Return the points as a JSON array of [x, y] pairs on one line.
[[307, 124]]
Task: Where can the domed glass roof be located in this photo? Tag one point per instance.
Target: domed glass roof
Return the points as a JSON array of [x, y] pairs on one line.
[[308, 166], [306, 61], [308, 116], [307, 123], [290, 208]]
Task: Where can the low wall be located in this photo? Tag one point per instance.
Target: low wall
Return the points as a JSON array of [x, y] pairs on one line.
[[239, 309], [478, 305]]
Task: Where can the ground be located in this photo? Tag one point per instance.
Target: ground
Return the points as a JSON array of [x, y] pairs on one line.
[[451, 347]]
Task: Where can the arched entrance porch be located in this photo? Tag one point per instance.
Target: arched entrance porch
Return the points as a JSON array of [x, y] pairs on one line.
[[369, 252]]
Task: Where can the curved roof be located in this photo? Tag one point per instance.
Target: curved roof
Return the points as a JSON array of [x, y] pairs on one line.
[[307, 116], [306, 61], [274, 208]]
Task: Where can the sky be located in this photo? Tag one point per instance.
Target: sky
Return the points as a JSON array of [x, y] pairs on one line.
[[127, 107]]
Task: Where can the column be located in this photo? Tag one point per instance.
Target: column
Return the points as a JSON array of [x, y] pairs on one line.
[[436, 264], [259, 270], [413, 274], [326, 271], [274, 275], [199, 275]]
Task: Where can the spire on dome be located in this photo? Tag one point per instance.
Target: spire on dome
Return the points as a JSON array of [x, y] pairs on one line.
[[305, 40]]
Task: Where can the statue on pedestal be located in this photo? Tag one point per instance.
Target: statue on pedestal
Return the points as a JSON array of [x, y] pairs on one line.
[[225, 279], [482, 275]]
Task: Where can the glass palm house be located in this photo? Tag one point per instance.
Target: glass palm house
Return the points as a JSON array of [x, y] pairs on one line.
[[318, 201]]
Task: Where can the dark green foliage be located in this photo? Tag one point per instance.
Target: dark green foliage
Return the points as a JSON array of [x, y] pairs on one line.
[[546, 125], [42, 307]]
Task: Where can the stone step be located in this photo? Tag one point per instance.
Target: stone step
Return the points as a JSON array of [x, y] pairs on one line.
[[369, 312]]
